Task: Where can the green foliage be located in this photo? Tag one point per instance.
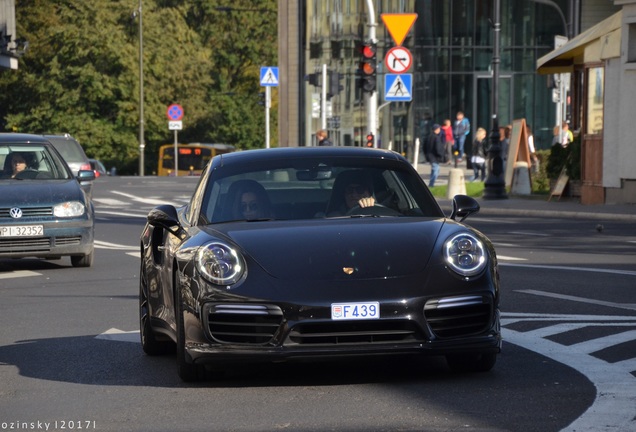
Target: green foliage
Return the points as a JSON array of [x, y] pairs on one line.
[[568, 158], [540, 179], [81, 73]]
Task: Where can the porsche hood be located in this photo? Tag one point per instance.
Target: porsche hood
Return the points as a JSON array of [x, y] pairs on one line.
[[327, 250]]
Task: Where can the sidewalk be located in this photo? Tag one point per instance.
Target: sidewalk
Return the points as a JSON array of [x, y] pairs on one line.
[[532, 205]]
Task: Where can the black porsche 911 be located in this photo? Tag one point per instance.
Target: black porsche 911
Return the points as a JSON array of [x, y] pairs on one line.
[[303, 253]]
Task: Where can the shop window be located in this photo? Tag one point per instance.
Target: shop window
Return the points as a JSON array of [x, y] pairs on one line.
[[631, 43], [595, 89]]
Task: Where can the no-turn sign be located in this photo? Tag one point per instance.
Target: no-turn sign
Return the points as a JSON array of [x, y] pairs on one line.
[[398, 60]]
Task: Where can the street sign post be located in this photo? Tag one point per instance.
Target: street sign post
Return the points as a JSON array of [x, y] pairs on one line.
[[175, 114], [268, 79]]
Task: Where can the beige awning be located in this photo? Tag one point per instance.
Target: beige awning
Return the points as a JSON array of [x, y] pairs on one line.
[[597, 43]]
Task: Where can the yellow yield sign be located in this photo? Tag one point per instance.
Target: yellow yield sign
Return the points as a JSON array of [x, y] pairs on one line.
[[399, 25]]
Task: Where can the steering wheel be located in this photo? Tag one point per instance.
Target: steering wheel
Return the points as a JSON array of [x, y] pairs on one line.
[[375, 210], [28, 173]]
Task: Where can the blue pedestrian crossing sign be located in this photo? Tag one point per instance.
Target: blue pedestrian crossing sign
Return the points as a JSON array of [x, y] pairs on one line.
[[398, 87], [269, 76]]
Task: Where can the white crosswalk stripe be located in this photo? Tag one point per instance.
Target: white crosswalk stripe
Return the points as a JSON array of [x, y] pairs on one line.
[[614, 408]]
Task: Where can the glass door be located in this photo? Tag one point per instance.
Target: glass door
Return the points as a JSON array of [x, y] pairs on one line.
[[482, 102]]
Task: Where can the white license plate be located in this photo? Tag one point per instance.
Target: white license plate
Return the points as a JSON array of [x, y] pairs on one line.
[[355, 311], [22, 231]]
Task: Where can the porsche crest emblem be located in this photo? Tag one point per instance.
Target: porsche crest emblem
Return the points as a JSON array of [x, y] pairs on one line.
[[348, 270]]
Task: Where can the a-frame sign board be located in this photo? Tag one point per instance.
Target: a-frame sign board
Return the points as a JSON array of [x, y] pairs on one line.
[[518, 150]]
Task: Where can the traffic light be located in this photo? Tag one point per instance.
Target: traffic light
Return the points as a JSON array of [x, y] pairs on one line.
[[370, 140], [368, 66], [335, 86], [313, 79], [261, 98]]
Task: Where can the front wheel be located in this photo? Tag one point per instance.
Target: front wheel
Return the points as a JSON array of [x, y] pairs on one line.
[[82, 260], [188, 372], [149, 342]]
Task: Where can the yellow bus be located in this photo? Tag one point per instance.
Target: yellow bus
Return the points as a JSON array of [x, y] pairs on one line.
[[192, 158]]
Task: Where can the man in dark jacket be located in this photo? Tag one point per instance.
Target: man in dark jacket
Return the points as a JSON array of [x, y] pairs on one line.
[[434, 152]]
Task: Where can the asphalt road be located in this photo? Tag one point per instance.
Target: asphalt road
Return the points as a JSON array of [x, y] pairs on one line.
[[70, 355]]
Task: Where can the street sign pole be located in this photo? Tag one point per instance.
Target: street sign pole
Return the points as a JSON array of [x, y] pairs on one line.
[[268, 104], [323, 99], [371, 99], [176, 155], [269, 78]]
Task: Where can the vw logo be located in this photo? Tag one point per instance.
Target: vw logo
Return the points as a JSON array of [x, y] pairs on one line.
[[15, 213]]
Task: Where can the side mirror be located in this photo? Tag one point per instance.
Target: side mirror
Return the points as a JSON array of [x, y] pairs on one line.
[[165, 216], [86, 175], [463, 206]]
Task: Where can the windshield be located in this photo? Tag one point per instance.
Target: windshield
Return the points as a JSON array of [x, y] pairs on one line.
[[30, 162], [316, 189]]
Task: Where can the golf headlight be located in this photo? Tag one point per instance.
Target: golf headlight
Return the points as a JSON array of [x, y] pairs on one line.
[[220, 263], [465, 254], [69, 209]]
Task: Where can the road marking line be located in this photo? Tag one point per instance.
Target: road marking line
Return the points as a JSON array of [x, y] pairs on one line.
[[19, 273], [115, 334], [109, 201], [598, 344], [116, 213], [529, 233], [587, 269], [615, 402], [507, 258], [105, 245], [154, 201], [628, 306]]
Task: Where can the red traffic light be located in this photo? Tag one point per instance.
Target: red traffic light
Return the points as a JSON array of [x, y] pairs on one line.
[[368, 51], [370, 140]]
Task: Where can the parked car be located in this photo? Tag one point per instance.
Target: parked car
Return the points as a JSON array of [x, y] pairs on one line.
[[44, 212], [71, 151], [98, 167], [273, 259], [74, 155]]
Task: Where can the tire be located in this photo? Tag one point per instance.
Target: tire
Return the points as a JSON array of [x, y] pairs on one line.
[[471, 362], [82, 260], [149, 342], [188, 372]]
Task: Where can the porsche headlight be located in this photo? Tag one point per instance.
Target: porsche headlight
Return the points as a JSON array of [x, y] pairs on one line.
[[69, 209], [220, 264], [465, 254]]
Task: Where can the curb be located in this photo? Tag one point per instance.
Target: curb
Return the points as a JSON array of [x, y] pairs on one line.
[[573, 214]]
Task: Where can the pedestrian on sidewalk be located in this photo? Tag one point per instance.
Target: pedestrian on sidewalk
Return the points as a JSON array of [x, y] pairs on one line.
[[434, 152], [323, 138], [478, 158], [449, 141], [461, 129]]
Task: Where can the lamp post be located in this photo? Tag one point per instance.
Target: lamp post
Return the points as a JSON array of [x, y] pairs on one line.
[[495, 185], [371, 99], [142, 144]]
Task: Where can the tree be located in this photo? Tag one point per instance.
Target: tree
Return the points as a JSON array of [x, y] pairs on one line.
[[81, 73]]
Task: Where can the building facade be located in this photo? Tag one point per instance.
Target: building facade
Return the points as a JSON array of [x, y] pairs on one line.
[[602, 65], [451, 43], [8, 45]]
